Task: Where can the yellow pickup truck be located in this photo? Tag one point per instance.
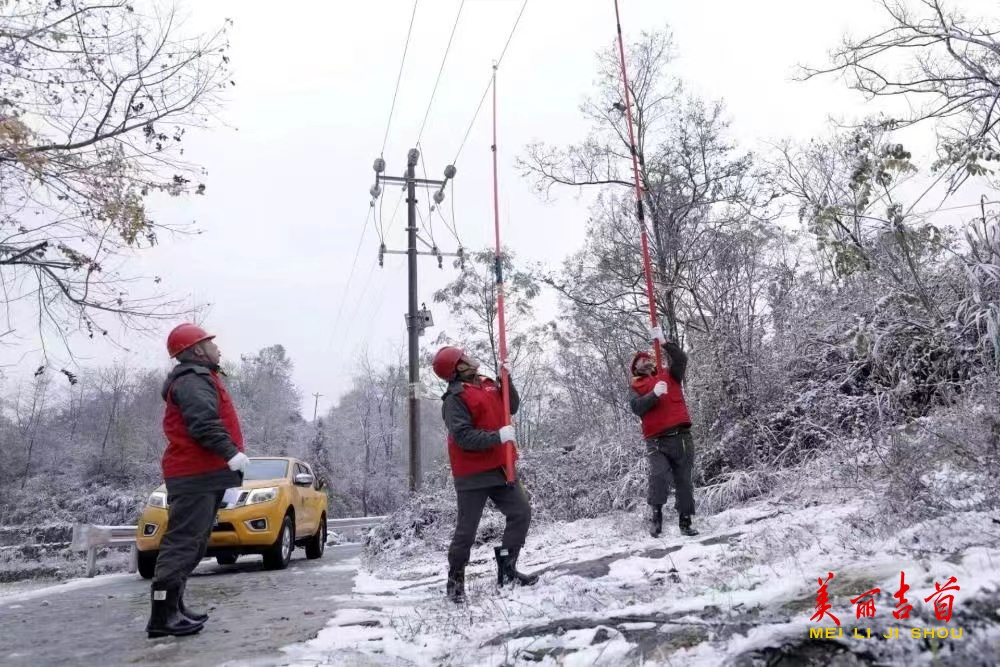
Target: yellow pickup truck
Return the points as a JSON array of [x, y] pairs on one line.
[[280, 505]]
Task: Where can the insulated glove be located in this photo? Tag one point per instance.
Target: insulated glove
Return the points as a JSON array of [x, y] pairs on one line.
[[657, 333], [660, 388], [239, 462], [507, 433]]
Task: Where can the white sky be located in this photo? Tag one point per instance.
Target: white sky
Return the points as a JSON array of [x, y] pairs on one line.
[[288, 181]]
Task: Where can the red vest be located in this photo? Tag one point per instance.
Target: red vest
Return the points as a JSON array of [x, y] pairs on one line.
[[485, 403], [670, 410], [184, 456]]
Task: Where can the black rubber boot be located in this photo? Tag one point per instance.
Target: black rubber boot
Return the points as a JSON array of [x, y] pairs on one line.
[[196, 616], [656, 521], [507, 573], [685, 524], [456, 585], [165, 619]]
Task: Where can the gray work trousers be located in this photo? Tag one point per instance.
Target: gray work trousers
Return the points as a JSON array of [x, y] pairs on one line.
[[671, 457], [189, 527], [513, 503]]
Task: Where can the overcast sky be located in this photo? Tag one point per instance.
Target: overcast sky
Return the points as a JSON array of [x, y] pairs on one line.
[[288, 179]]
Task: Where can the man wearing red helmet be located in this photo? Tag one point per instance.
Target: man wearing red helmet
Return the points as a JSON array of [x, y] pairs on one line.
[[478, 434], [666, 426], [203, 458]]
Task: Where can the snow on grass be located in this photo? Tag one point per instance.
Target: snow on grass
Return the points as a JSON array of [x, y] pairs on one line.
[[611, 595]]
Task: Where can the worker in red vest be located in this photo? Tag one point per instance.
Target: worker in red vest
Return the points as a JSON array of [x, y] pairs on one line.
[[477, 432], [203, 458], [666, 426]]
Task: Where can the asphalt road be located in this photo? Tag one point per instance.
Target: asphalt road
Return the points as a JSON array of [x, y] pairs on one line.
[[253, 613]]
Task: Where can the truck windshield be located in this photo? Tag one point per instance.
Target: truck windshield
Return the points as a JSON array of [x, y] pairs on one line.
[[265, 469]]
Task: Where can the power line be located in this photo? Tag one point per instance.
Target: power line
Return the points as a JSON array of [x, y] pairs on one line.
[[399, 77], [361, 297], [957, 208], [490, 82], [354, 264], [430, 207], [452, 227], [368, 279], [430, 229], [379, 302], [371, 271], [392, 218], [440, 71], [379, 217]]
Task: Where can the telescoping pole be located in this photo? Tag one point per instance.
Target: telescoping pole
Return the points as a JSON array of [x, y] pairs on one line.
[[498, 268], [647, 265]]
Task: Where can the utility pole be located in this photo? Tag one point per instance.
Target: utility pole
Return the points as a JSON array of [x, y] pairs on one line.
[[417, 320], [411, 318], [316, 405]]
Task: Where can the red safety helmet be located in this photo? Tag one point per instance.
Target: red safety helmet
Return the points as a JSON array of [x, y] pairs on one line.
[[184, 336], [636, 358], [445, 362]]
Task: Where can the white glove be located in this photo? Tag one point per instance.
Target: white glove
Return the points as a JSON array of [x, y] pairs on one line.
[[657, 333], [239, 462], [507, 433], [660, 388]]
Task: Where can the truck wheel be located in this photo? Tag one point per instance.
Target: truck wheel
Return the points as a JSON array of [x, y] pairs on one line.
[[317, 543], [147, 563], [226, 559], [280, 553]]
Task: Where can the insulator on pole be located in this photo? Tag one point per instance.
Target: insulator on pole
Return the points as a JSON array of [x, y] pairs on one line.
[[379, 165]]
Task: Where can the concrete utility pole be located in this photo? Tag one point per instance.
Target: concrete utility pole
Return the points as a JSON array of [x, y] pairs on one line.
[[417, 320], [316, 405]]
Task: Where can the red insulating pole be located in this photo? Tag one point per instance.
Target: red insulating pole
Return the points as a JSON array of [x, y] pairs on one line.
[[638, 195], [508, 446]]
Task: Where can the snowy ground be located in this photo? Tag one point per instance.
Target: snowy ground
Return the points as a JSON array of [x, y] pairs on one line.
[[29, 590], [741, 593]]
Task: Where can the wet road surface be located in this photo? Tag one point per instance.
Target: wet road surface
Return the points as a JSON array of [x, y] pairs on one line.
[[253, 613]]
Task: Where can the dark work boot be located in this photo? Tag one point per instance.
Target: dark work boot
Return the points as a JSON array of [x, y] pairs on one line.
[[456, 585], [507, 568], [685, 524], [196, 616], [165, 619], [656, 521]]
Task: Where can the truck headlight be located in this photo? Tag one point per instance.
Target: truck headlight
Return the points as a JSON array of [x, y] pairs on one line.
[[262, 495], [157, 499]]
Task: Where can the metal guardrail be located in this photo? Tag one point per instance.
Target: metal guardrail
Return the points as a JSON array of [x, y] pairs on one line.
[[90, 538]]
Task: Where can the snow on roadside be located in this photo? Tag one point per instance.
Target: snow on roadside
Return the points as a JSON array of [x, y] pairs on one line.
[[610, 595], [32, 591]]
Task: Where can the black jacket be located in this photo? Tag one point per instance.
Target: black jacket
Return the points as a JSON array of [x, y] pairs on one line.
[[678, 369], [193, 392], [458, 421]]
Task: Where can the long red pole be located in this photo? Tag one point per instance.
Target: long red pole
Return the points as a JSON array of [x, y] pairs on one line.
[[498, 268], [647, 265]]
